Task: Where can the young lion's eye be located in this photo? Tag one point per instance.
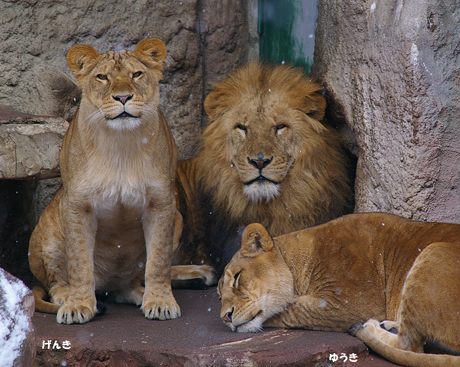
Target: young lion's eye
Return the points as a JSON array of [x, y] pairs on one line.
[[137, 74], [101, 77]]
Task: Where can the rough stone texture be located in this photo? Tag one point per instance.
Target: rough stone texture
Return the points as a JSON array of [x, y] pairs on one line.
[[124, 337], [34, 79], [30, 145], [17, 334], [391, 70], [35, 37]]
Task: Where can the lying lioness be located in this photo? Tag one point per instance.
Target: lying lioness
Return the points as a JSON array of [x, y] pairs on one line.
[[349, 270], [114, 222]]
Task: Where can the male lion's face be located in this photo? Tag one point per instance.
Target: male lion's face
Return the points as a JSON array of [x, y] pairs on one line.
[[120, 87], [263, 144]]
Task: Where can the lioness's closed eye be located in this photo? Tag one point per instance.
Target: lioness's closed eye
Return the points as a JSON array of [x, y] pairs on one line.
[[349, 270]]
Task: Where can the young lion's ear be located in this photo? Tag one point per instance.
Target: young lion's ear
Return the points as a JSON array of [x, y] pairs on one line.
[[152, 52], [80, 57], [255, 239]]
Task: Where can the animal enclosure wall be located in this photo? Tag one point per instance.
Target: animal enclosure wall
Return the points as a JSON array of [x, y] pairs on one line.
[[205, 40]]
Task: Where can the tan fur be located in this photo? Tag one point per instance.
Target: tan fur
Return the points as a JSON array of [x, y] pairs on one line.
[[358, 267], [272, 114], [113, 224]]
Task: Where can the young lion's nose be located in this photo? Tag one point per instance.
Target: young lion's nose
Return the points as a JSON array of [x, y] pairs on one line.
[[123, 98], [227, 317]]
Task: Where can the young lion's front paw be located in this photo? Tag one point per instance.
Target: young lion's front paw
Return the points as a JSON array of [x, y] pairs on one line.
[[77, 312], [160, 308]]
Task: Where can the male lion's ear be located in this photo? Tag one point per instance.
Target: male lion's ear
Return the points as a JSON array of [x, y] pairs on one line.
[[255, 238], [80, 57], [218, 101], [313, 105], [151, 51]]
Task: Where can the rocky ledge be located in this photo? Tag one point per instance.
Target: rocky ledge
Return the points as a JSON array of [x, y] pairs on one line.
[[30, 145], [124, 337]]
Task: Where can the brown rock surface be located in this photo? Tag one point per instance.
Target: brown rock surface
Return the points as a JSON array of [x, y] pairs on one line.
[[124, 337], [391, 71], [29, 145], [36, 36]]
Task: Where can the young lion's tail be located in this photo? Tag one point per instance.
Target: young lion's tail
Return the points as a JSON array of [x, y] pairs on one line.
[[41, 305], [399, 356]]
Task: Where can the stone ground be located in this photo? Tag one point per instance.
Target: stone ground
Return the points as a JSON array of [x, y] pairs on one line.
[[123, 337]]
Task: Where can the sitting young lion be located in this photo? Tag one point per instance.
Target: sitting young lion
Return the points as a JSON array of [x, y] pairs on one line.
[[349, 270], [114, 221], [266, 157]]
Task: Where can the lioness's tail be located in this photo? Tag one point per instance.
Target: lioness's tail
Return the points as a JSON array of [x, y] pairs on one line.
[[399, 356], [41, 305]]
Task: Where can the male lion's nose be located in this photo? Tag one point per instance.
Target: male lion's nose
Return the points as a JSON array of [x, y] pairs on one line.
[[260, 162], [123, 98], [227, 317]]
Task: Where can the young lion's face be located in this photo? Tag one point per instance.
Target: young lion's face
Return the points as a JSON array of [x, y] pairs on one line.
[[256, 284], [119, 89]]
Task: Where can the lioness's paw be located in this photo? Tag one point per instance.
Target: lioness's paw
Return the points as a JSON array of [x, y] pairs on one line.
[[160, 308], [59, 295], [205, 272], [372, 325], [73, 313], [209, 274], [390, 326], [356, 328], [134, 295]]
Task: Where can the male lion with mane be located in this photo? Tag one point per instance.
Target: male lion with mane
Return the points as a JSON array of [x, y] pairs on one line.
[[114, 224], [359, 267], [266, 157]]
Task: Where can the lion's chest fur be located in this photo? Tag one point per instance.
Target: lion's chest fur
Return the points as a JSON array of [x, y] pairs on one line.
[[118, 178]]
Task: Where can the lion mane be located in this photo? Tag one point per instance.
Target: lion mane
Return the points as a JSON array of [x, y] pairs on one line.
[[266, 156]]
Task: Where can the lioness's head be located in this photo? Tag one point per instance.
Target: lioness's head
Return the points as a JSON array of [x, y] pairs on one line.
[[119, 88], [263, 119], [256, 284]]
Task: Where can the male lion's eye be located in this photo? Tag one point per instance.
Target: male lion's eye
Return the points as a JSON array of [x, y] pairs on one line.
[[241, 127], [137, 74], [280, 127], [101, 77]]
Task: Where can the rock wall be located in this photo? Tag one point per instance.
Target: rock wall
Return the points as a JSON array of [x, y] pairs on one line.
[[391, 71], [204, 39]]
